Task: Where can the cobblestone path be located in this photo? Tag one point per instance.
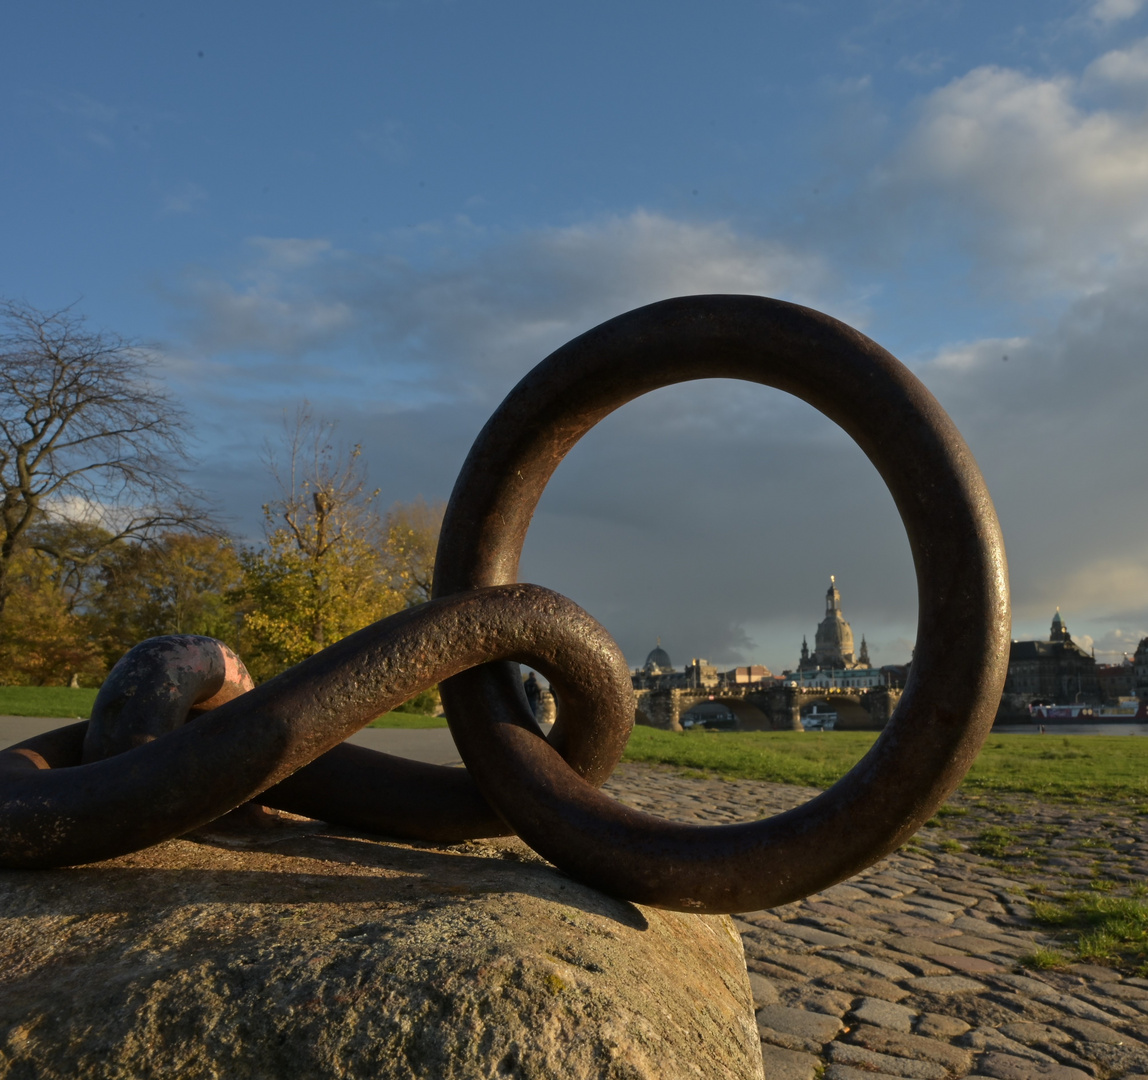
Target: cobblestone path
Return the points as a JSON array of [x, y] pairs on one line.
[[912, 968]]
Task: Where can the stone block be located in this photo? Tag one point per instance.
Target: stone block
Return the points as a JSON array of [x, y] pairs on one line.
[[940, 1026], [916, 1047], [816, 1027], [885, 1014], [845, 1054], [314, 953], [1006, 1067], [782, 1064]]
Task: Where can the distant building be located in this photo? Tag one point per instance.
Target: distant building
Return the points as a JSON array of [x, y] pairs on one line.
[[1117, 680], [749, 676], [1056, 671], [1140, 669], [832, 662], [658, 662], [658, 673]]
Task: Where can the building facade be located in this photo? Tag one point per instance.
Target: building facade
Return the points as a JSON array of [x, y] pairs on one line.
[[659, 673], [1053, 672], [1140, 669], [833, 662]]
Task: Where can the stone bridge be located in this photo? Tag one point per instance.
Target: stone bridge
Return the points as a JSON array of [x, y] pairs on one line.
[[772, 708]]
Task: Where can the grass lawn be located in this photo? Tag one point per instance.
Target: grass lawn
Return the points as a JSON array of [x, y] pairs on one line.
[[65, 702], [408, 720], [60, 701], [1057, 766]]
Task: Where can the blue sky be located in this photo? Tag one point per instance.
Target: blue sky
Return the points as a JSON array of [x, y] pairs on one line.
[[395, 209]]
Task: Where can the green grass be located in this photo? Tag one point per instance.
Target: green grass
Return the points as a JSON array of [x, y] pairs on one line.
[[61, 701], [1100, 929], [994, 842], [951, 811], [65, 702], [407, 720], [787, 757], [1068, 767], [1045, 960]]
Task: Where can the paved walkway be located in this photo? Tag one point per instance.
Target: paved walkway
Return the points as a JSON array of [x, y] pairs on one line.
[[911, 969], [434, 745]]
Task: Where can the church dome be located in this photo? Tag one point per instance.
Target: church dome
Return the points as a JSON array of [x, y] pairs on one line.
[[835, 639], [834, 635], [658, 660]]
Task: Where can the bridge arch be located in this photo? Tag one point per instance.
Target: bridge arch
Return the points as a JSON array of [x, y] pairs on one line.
[[851, 713], [747, 716]]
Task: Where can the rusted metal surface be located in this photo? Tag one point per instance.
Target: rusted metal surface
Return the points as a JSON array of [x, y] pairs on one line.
[[156, 687], [282, 741], [961, 654], [55, 811]]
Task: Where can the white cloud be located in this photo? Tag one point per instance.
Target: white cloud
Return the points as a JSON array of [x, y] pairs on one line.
[[501, 308], [1121, 67], [969, 356], [1114, 11], [1044, 184], [288, 253]]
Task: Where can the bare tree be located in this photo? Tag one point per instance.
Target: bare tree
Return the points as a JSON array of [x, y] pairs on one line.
[[322, 497], [86, 438]]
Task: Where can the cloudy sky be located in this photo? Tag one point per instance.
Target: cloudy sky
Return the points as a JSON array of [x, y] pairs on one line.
[[395, 209]]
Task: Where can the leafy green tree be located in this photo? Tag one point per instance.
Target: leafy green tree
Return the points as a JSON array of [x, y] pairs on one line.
[[46, 638], [179, 583]]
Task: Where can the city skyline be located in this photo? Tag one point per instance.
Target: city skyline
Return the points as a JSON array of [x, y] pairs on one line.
[[394, 210]]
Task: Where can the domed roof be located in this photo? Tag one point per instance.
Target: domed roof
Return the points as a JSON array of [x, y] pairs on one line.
[[659, 659], [834, 635], [834, 631]]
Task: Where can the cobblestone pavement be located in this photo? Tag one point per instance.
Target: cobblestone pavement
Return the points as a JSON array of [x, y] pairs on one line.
[[912, 968]]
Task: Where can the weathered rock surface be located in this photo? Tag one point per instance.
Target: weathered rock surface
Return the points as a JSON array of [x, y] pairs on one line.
[[307, 952]]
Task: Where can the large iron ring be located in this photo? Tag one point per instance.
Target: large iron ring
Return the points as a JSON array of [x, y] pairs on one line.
[[961, 652]]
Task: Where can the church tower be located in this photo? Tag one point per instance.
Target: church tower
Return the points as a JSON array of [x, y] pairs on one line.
[[1059, 628], [833, 644]]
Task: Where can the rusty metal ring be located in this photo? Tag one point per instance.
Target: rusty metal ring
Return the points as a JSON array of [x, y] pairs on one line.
[[157, 687], [57, 811], [961, 653]]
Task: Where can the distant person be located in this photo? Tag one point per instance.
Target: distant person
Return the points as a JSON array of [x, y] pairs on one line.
[[533, 692]]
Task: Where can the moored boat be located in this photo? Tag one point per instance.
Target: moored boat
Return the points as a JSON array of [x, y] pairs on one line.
[[1125, 711]]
